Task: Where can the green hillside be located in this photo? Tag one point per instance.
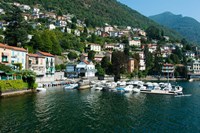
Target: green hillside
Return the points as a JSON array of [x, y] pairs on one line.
[[98, 12], [186, 26]]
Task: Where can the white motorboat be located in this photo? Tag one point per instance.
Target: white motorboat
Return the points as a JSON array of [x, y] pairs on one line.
[[70, 86], [128, 88], [98, 88], [41, 89], [191, 80]]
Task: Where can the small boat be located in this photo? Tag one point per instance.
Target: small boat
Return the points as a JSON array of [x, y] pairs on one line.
[[128, 88], [70, 86], [120, 89], [191, 80], [98, 88], [41, 89]]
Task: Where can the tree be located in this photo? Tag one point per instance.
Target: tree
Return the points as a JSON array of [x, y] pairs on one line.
[[148, 58], [153, 32], [16, 31], [56, 48], [100, 70], [5, 68], [74, 20], [46, 41], [175, 58], [36, 42], [72, 55], [91, 55], [158, 61], [29, 77], [118, 63], [106, 65]]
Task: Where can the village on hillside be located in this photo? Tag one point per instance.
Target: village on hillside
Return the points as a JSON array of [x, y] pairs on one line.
[[124, 52]]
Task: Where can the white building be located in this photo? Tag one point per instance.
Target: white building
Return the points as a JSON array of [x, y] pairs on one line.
[[108, 29], [86, 69], [94, 47], [52, 27], [194, 67], [61, 23], [18, 55], [25, 7], [135, 43], [36, 10], [190, 54], [142, 65]]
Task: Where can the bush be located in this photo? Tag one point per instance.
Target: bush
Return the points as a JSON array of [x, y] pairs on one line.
[[12, 85]]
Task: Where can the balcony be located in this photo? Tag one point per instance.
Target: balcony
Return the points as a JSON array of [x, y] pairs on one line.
[[14, 56]]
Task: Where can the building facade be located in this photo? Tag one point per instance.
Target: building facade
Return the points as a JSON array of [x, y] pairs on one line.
[[94, 47], [13, 55], [49, 62], [36, 63], [168, 70], [131, 65]]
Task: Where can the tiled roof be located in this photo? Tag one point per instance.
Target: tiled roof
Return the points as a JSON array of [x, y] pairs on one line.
[[168, 65], [45, 54], [86, 62], [35, 55], [12, 48]]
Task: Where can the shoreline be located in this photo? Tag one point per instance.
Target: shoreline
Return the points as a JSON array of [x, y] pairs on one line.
[[16, 93]]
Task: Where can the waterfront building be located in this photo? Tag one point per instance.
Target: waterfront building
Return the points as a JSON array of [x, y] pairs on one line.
[[36, 63], [13, 55], [194, 66], [5, 54], [50, 62], [86, 69], [168, 70], [70, 71]]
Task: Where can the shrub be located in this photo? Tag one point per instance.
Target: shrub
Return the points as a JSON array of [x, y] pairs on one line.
[[12, 85]]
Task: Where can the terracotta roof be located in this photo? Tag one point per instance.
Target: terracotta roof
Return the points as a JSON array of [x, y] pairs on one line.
[[12, 48], [45, 54], [168, 65], [35, 55], [86, 62]]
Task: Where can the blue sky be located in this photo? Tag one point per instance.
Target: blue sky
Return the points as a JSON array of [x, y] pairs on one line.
[[189, 8]]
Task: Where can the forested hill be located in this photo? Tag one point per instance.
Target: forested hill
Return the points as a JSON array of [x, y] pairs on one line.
[[98, 12], [186, 26]]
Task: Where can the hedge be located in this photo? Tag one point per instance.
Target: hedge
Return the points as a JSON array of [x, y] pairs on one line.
[[12, 85]]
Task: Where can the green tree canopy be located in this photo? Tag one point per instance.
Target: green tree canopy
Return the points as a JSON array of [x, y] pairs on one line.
[[16, 31], [91, 55], [72, 55]]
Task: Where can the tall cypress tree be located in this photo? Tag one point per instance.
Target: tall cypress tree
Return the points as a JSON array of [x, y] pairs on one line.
[[16, 31]]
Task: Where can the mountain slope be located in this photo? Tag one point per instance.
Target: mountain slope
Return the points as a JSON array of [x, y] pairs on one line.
[[98, 12], [186, 26]]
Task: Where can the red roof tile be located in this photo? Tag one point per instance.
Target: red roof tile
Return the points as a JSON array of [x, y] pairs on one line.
[[45, 54], [12, 48], [35, 55]]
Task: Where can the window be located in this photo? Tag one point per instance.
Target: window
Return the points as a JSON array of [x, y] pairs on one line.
[[4, 59]]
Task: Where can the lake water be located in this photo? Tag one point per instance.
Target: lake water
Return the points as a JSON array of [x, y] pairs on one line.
[[88, 111]]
